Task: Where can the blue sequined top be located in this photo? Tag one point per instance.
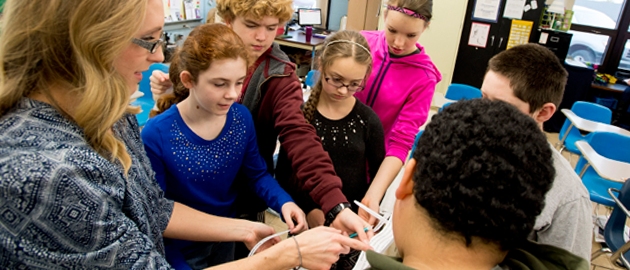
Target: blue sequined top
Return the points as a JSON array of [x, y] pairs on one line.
[[63, 206], [200, 173]]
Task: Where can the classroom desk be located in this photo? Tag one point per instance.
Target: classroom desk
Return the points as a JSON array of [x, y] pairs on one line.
[[590, 126], [615, 88], [606, 168], [298, 40]]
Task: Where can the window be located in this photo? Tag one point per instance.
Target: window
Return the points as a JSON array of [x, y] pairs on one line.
[[625, 57], [587, 47], [597, 37], [592, 17]]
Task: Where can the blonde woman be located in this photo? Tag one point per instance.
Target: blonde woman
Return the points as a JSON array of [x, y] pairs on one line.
[[77, 190]]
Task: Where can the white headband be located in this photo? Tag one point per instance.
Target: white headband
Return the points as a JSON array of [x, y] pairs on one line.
[[347, 41]]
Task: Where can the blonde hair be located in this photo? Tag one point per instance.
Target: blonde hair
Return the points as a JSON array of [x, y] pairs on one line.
[[71, 44], [342, 44], [255, 9]]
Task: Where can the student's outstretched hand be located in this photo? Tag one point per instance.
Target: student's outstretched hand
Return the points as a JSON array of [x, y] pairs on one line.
[[372, 204], [320, 247], [257, 232], [349, 222], [291, 212], [160, 83]]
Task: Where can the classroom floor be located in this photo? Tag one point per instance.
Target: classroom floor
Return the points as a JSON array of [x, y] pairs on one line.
[[601, 263]]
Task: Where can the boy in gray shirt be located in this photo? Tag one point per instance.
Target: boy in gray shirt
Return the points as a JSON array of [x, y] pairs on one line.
[[532, 78]]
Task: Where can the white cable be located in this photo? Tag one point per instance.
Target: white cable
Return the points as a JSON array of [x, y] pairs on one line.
[[263, 241]]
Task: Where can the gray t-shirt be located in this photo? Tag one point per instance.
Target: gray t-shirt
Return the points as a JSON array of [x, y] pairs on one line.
[[566, 220]]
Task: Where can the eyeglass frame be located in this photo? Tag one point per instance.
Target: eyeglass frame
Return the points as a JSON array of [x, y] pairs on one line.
[[359, 88], [149, 46]]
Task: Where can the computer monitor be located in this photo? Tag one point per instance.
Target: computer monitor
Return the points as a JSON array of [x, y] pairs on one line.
[[309, 16]]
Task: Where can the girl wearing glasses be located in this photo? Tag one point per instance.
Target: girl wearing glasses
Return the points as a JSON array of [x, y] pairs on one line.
[[201, 139], [400, 88], [350, 131], [77, 189]]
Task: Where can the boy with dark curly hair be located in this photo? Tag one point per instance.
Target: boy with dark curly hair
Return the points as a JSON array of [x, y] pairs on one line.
[[471, 192], [531, 78]]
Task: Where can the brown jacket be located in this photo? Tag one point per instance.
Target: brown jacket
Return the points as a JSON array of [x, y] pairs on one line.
[[273, 95]]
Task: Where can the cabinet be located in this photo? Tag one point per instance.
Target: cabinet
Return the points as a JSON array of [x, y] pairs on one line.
[[472, 62], [363, 14], [557, 42], [578, 85]]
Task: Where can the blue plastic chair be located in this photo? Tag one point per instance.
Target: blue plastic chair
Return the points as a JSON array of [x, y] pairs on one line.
[[586, 110], [610, 145], [311, 78], [146, 102], [458, 91], [614, 229], [444, 106], [415, 142]]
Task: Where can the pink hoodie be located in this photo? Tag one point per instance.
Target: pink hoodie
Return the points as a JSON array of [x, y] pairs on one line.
[[400, 91]]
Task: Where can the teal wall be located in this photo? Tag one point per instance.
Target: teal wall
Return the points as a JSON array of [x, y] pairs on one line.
[[338, 9]]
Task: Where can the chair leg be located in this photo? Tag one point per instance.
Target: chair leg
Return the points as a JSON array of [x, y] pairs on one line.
[[561, 149], [600, 252], [618, 255], [625, 262]]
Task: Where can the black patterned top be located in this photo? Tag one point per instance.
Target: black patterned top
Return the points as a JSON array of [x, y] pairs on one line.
[[356, 147], [63, 206]]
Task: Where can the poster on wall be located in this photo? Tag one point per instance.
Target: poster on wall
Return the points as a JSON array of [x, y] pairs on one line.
[[486, 10], [479, 34], [514, 9], [519, 33]]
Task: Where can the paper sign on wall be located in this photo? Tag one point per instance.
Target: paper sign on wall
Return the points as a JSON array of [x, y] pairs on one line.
[[514, 9], [543, 38], [519, 33], [486, 10], [479, 34]]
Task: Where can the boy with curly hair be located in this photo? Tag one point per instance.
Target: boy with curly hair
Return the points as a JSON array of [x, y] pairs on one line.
[[470, 194], [531, 78], [273, 94]]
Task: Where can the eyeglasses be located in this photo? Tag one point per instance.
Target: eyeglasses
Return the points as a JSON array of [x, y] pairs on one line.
[[150, 46], [352, 87]]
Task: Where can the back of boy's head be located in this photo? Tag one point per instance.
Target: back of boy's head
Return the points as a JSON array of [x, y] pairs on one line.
[[536, 75], [422, 7], [204, 45], [483, 169], [255, 9], [342, 44]]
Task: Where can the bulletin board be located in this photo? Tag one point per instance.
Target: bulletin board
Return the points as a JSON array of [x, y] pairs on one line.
[[519, 33]]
